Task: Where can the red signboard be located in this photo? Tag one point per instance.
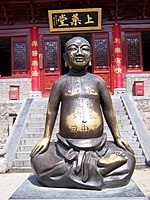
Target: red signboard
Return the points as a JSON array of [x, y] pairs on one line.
[[117, 56], [139, 88], [34, 61], [14, 92]]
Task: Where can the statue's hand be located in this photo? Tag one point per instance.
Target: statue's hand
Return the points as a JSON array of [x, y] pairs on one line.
[[41, 146], [122, 143]]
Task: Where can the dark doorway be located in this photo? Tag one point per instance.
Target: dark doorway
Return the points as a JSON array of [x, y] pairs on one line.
[[146, 50], [5, 56], [64, 39]]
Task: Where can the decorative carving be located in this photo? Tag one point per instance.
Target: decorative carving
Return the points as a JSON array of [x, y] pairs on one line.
[[133, 52], [51, 50], [19, 49], [101, 52]]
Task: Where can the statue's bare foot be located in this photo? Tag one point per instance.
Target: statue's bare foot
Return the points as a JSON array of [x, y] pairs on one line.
[[118, 158]]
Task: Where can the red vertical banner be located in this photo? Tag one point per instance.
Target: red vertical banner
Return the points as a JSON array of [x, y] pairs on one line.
[[34, 59], [117, 56]]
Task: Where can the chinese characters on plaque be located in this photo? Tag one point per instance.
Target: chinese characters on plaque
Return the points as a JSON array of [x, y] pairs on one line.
[[76, 19]]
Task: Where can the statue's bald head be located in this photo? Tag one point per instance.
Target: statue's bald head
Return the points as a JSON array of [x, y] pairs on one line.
[[77, 53], [76, 40]]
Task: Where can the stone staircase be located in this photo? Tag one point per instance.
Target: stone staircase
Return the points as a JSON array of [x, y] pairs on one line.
[[35, 128], [126, 130]]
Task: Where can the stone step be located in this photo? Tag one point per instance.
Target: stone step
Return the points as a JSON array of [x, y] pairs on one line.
[[122, 127], [25, 148], [34, 129], [134, 145], [128, 136], [119, 108], [21, 169], [33, 141], [122, 117], [37, 120], [37, 129], [23, 155], [33, 125], [120, 121], [140, 159], [131, 139], [120, 111], [29, 142], [21, 162], [32, 135], [138, 151], [37, 111], [40, 115]]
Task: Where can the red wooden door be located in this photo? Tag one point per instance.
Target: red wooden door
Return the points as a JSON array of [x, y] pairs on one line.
[[51, 60], [101, 57]]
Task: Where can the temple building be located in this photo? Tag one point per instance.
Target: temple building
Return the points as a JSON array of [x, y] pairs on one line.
[[31, 50]]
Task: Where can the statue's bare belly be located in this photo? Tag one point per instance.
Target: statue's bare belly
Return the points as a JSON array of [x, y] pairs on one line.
[[81, 115], [81, 118]]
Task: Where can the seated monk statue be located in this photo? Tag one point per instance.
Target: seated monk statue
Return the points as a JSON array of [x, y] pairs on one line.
[[81, 157]]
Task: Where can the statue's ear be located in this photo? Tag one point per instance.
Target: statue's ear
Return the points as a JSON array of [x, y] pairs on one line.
[[64, 56], [90, 63]]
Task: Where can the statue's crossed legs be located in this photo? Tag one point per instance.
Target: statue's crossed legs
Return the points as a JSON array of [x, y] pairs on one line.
[[90, 164]]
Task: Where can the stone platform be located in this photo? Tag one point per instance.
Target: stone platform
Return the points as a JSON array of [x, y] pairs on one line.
[[31, 189]]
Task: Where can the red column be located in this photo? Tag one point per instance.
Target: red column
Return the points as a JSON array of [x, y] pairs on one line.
[[117, 56], [34, 59]]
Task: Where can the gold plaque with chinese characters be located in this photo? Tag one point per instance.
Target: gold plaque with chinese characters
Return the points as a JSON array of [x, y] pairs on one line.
[[75, 19]]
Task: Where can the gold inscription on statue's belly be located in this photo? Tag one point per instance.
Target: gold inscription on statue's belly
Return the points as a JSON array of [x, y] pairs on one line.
[[91, 121]]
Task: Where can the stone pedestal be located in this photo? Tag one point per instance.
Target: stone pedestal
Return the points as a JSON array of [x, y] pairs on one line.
[[31, 189]]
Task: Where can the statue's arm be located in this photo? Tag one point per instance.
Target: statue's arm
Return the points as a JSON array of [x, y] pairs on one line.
[[110, 116], [52, 110]]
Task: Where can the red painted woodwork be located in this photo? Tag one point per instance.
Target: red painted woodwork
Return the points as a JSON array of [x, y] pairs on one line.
[[101, 57], [117, 56], [51, 62], [34, 61], [36, 11]]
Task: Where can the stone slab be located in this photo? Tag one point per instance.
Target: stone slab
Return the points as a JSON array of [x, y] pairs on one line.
[[31, 189]]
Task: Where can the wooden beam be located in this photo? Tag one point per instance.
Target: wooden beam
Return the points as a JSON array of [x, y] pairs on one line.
[[27, 1]]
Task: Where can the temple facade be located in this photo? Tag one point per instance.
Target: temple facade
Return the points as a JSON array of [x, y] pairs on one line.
[[31, 56]]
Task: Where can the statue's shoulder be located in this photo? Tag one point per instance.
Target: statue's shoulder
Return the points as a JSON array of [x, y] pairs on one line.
[[97, 78], [61, 80]]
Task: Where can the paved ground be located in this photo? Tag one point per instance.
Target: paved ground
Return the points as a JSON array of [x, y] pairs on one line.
[[11, 181]]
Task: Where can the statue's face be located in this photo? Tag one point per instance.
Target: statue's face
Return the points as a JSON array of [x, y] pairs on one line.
[[78, 53]]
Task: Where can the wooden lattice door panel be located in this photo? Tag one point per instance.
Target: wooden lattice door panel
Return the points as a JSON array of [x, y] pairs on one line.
[[20, 57], [101, 54], [51, 57], [133, 51]]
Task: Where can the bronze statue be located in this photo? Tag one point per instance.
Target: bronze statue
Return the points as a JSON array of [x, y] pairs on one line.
[[81, 157]]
